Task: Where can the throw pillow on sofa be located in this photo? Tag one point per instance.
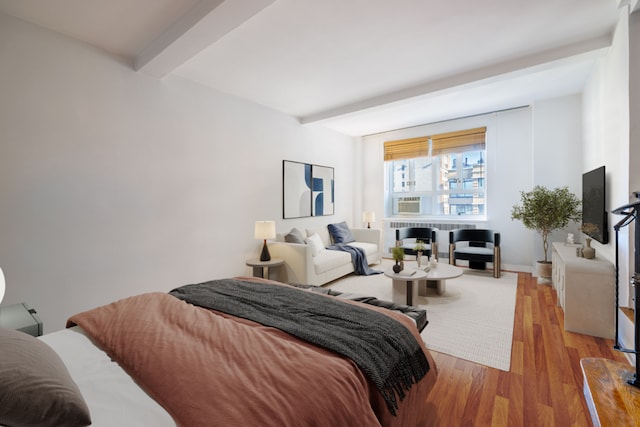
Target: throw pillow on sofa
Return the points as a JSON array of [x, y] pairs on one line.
[[316, 244], [294, 236], [340, 233]]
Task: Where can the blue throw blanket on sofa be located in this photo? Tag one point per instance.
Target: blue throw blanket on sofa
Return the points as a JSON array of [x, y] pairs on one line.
[[358, 257]]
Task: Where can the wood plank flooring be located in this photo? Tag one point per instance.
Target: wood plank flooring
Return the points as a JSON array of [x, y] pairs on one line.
[[544, 386]]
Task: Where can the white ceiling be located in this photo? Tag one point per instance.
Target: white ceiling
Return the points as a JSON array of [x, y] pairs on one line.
[[356, 66]]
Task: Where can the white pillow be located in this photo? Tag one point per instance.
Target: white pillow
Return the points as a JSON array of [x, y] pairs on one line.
[[316, 244], [323, 233]]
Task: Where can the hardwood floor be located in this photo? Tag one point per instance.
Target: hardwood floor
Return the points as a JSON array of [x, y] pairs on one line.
[[544, 384]]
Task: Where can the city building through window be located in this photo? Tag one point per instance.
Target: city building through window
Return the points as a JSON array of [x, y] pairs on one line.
[[437, 176]]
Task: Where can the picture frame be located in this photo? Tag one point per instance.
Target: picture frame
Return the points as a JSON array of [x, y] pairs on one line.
[[307, 190], [296, 189], [322, 196]]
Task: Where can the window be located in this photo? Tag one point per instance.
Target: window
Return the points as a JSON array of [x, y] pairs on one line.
[[438, 175]]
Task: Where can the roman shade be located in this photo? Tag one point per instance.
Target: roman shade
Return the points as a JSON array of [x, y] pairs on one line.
[[470, 139]]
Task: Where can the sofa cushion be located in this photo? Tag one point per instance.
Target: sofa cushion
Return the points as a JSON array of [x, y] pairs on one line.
[[369, 248], [294, 236], [316, 244], [328, 260], [340, 233], [323, 232]]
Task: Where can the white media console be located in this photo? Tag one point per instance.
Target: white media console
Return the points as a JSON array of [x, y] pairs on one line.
[[586, 291]]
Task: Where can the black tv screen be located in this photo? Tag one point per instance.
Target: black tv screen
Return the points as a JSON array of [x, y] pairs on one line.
[[593, 205]]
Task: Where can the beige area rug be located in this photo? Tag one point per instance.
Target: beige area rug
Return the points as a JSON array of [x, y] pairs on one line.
[[472, 320]]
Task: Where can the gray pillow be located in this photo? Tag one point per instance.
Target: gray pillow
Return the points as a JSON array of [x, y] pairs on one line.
[[36, 388], [294, 236], [340, 233]]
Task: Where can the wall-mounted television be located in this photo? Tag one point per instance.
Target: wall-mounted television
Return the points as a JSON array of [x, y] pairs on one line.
[[593, 205]]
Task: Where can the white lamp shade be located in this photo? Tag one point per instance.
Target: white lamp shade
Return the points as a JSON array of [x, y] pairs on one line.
[[265, 230], [369, 216], [1, 285]]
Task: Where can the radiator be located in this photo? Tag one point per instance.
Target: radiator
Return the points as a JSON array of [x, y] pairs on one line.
[[443, 233]]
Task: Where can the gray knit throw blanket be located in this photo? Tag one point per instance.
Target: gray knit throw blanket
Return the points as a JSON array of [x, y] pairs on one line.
[[384, 349]]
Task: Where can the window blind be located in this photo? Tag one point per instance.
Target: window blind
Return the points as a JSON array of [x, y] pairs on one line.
[[470, 139]]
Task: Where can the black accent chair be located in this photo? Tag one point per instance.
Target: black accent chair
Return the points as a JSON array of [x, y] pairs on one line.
[[426, 235], [483, 246]]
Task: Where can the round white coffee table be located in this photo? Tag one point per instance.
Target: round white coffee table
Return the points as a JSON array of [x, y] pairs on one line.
[[403, 287], [437, 277]]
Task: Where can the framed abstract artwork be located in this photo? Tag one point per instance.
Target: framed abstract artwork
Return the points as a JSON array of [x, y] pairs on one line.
[[307, 190], [296, 189], [322, 195]]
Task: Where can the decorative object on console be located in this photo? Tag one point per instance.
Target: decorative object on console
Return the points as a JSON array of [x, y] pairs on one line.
[[588, 252], [368, 217], [544, 210], [589, 229], [307, 190], [265, 230]]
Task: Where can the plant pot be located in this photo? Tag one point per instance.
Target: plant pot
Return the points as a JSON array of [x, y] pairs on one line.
[[396, 268], [543, 270]]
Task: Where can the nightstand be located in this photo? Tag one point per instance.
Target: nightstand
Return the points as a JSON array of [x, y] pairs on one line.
[[22, 318], [263, 268]]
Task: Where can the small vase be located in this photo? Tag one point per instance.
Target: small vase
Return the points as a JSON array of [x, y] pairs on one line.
[[396, 268], [588, 252], [418, 257], [401, 264]]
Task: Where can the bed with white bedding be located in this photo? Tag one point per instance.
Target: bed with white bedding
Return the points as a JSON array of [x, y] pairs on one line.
[[113, 398]]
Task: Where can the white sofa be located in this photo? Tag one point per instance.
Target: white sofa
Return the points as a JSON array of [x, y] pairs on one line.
[[302, 267]]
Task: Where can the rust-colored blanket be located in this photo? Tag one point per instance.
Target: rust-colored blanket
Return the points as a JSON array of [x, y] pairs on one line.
[[207, 368]]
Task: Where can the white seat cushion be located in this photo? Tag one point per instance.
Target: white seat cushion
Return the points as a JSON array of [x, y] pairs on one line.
[[474, 250], [328, 260], [369, 248]]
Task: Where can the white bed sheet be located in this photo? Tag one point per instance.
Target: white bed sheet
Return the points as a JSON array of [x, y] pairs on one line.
[[114, 399]]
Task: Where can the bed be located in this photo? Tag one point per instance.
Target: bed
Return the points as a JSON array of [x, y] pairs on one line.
[[161, 359]]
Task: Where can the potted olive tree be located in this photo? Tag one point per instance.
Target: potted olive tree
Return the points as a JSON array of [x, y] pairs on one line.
[[544, 210]]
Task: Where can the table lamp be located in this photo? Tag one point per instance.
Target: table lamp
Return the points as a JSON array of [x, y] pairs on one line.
[[368, 217], [265, 230]]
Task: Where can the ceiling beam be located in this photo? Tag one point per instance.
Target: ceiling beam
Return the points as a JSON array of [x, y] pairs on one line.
[[474, 77], [207, 22]]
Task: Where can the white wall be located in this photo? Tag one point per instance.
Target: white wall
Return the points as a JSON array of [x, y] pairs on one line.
[[557, 155], [113, 183], [606, 138]]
